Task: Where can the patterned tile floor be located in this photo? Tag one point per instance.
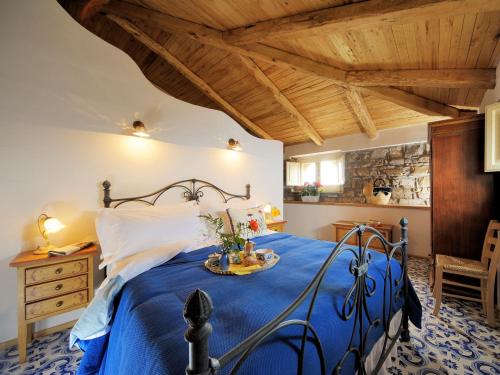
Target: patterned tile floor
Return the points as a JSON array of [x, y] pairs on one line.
[[458, 343]]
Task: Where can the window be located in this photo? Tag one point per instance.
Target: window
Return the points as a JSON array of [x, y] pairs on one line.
[[292, 173], [331, 172], [307, 173], [327, 169]]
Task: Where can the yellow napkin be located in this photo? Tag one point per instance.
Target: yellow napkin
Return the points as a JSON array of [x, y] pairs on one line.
[[239, 269], [240, 273]]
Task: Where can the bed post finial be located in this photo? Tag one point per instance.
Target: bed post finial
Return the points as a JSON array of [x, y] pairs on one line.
[[107, 198], [197, 311], [247, 195], [405, 333]]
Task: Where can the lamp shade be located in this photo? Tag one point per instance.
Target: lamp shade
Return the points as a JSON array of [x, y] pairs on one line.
[[46, 226], [139, 129], [233, 144], [267, 208], [52, 225]]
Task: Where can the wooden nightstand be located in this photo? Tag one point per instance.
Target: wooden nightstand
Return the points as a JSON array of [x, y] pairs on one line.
[[342, 227], [47, 286], [278, 226]]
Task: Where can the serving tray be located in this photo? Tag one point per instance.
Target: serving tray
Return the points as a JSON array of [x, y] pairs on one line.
[[241, 270]]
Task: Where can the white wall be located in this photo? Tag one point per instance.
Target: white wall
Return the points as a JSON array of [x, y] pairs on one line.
[[64, 99], [316, 221], [388, 137]]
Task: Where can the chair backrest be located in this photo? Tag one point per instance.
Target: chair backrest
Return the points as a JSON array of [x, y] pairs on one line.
[[491, 246]]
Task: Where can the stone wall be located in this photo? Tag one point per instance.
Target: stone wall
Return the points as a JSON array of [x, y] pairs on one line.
[[404, 167]]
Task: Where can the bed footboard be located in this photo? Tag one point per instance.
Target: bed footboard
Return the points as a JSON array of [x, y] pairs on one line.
[[199, 307]]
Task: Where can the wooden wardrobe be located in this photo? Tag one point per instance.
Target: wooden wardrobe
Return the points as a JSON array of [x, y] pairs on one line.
[[462, 195]]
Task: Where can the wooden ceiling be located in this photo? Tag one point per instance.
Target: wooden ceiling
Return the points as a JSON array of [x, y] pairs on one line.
[[304, 71]]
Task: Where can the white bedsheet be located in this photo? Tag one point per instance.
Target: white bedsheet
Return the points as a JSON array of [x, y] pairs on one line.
[[374, 356]]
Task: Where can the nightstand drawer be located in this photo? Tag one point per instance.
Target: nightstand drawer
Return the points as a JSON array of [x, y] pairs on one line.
[[49, 306], [278, 226], [55, 271], [275, 227], [56, 288]]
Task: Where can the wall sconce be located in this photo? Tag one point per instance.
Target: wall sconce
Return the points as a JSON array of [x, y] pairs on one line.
[[233, 144], [46, 226], [140, 129]]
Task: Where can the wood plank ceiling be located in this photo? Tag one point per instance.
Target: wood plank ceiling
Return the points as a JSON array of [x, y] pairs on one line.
[[304, 71]]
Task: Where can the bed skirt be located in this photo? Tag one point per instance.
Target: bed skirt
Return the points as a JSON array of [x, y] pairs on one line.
[[378, 348]]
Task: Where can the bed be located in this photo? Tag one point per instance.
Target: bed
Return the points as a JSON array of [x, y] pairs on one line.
[[325, 308]]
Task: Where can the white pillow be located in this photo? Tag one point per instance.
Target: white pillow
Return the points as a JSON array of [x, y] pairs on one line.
[[220, 210], [131, 266], [243, 216], [124, 232]]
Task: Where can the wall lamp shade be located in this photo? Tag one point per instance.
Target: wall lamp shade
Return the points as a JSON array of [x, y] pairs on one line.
[[46, 226], [140, 129], [233, 144]]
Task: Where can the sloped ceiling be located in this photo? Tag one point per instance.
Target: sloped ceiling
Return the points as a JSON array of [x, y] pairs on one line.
[[354, 67]]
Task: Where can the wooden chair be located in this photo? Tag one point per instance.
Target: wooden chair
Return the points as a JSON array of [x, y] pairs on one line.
[[484, 270]]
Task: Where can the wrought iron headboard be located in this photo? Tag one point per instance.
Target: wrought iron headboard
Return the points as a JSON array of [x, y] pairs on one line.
[[192, 190]]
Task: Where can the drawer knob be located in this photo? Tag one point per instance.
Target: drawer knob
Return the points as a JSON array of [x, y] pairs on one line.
[[59, 304], [59, 270], [58, 286]]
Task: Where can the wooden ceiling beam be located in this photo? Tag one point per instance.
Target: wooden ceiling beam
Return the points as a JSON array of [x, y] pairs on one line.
[[414, 102], [265, 81], [289, 60], [360, 110], [352, 16], [161, 51], [271, 55], [91, 8], [449, 78]]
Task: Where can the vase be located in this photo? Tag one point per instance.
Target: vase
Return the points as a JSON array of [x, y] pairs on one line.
[[310, 198], [224, 261]]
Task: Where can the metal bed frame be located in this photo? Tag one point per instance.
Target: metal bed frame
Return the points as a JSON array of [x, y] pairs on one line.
[[192, 190], [198, 307]]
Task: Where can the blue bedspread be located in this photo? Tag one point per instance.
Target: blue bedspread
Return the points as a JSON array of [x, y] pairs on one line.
[[147, 334]]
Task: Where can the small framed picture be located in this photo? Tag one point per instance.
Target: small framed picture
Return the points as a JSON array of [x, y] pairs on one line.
[[492, 138]]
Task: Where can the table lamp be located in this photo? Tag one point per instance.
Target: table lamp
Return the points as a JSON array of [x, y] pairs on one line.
[[267, 211], [46, 226]]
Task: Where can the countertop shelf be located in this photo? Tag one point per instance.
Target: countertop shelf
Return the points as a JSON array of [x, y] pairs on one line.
[[329, 203]]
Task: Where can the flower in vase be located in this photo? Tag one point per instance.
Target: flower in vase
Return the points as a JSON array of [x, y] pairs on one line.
[[275, 212], [253, 225]]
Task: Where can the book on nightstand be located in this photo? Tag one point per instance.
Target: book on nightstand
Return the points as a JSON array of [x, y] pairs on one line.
[[70, 249]]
